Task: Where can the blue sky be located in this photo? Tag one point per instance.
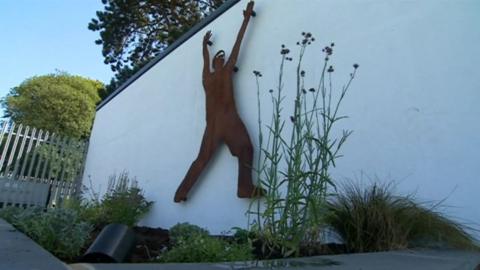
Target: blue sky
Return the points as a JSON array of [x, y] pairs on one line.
[[39, 37]]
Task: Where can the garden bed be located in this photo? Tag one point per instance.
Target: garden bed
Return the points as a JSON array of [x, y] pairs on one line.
[[151, 242], [34, 256]]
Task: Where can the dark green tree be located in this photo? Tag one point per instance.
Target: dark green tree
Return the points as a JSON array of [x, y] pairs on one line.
[[60, 103], [132, 32]]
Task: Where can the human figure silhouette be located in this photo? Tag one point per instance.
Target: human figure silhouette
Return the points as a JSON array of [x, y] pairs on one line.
[[223, 122]]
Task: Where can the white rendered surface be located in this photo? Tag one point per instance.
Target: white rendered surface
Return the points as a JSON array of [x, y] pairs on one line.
[[414, 106]]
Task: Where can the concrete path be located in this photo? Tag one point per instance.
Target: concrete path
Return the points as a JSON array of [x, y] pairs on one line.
[[18, 252], [397, 260]]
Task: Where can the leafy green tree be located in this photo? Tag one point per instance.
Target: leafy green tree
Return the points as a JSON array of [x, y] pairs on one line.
[[132, 32], [60, 103]]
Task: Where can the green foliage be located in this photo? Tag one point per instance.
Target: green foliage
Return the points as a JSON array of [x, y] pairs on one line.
[[207, 249], [123, 203], [193, 244], [60, 103], [90, 211], [65, 161], [134, 32], [372, 218], [294, 168], [432, 229], [9, 213], [60, 231], [125, 207], [243, 236], [185, 230]]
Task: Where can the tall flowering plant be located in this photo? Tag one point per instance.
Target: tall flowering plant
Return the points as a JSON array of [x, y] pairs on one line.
[[294, 164]]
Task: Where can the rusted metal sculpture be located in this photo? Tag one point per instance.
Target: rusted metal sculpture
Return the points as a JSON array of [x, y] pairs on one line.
[[223, 122]]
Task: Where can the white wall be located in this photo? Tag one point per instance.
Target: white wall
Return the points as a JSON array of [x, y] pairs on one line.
[[414, 106]]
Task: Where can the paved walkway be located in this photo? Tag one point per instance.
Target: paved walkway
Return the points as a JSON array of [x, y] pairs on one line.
[[18, 252], [397, 260]]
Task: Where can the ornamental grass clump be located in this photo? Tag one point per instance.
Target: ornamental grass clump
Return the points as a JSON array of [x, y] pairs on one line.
[[373, 218], [296, 156]]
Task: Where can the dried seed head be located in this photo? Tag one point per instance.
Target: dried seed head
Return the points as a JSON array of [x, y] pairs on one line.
[[328, 50], [257, 73]]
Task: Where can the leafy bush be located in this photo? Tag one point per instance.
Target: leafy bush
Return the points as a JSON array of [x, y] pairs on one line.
[[185, 230], [206, 249], [125, 207], [243, 236], [374, 219], [90, 211], [123, 203], [295, 161], [193, 244], [60, 231], [9, 213]]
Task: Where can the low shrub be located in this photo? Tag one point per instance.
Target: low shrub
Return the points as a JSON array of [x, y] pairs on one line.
[[90, 211], [243, 236], [9, 213], [372, 218], [193, 244], [125, 207], [123, 203], [60, 231], [185, 231]]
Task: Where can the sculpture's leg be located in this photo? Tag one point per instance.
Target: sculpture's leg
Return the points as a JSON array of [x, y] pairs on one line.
[[239, 143], [209, 144]]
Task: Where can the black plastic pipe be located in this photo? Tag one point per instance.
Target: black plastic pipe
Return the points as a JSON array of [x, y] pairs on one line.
[[113, 245]]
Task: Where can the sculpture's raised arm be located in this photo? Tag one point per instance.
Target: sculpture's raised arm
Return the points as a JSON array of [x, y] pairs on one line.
[[206, 54], [236, 47]]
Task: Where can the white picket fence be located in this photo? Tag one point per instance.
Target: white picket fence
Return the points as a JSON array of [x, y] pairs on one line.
[[38, 168]]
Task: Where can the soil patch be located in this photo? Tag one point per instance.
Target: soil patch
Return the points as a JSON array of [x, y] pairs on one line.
[[150, 243]]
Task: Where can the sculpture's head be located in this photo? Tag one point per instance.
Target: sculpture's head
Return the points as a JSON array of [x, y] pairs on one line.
[[219, 60]]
